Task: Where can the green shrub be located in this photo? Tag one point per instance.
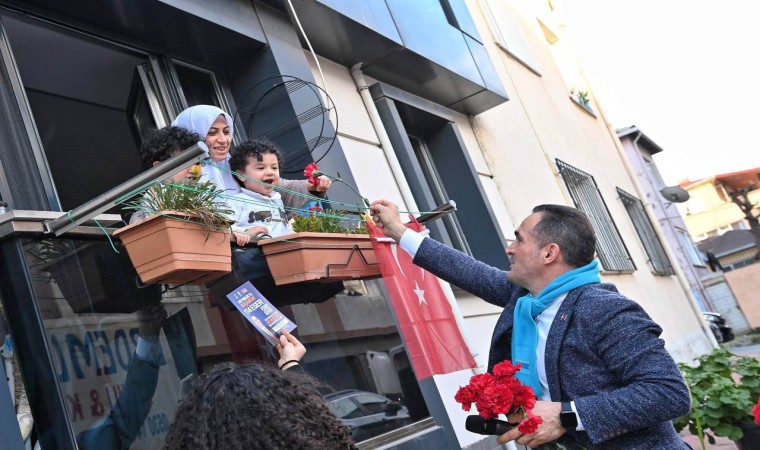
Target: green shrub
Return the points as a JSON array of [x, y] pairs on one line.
[[724, 388]]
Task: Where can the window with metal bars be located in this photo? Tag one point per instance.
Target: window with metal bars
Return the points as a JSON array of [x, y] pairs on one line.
[[655, 251], [610, 247]]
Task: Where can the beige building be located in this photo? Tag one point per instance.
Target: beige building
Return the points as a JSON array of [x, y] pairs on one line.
[[545, 145], [709, 211]]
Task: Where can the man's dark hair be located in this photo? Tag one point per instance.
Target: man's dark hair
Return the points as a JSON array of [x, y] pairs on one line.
[[256, 148], [256, 407], [570, 229], [160, 145]]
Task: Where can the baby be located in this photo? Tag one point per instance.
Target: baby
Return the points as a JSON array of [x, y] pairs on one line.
[[258, 208]]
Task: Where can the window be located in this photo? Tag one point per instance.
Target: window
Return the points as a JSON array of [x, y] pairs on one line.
[[609, 245], [90, 100], [437, 190], [656, 253], [507, 33], [691, 251], [438, 168], [199, 87]]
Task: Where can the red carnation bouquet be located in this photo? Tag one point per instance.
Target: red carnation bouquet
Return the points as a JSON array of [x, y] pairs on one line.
[[500, 393]]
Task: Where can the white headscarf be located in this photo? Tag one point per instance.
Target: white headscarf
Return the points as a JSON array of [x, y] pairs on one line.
[[199, 119]]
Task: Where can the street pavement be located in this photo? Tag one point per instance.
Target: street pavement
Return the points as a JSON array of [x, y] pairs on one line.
[[723, 443]]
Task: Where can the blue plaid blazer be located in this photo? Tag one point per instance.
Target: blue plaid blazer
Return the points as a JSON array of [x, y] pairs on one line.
[[603, 352]]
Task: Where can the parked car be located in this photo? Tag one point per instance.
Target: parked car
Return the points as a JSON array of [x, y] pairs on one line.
[[368, 414], [721, 330]]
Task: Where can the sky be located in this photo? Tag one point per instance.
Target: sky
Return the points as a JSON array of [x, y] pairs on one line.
[[687, 73]]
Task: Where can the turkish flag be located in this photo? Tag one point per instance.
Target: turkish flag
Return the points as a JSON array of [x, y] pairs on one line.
[[427, 322]]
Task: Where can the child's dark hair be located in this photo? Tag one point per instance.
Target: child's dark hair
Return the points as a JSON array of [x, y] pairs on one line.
[[256, 148], [159, 145]]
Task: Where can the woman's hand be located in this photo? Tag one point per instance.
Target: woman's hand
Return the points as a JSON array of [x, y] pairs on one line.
[[290, 349]]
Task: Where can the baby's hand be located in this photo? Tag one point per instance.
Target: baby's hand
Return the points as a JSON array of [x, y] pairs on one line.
[[322, 186], [257, 230], [242, 238]]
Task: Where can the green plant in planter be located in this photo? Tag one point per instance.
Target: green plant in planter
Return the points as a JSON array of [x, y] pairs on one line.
[[583, 98], [330, 221], [200, 201], [724, 387]]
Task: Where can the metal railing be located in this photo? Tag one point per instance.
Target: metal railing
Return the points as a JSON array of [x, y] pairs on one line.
[[652, 245], [610, 247]]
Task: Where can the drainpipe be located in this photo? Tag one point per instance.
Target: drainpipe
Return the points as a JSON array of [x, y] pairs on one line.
[[655, 223], [385, 142], [406, 193]]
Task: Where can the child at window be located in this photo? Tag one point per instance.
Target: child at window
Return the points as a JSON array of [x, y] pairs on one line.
[[258, 208], [160, 145]]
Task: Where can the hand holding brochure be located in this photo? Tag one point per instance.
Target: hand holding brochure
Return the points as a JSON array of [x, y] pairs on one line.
[[267, 319]]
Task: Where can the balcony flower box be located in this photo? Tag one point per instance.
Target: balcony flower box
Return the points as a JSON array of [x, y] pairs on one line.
[[324, 257], [170, 248]]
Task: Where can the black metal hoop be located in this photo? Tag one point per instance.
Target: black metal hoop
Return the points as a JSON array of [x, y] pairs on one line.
[[271, 93]]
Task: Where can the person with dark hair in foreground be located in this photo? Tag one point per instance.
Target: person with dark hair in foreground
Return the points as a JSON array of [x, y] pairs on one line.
[[593, 357], [160, 145], [256, 407]]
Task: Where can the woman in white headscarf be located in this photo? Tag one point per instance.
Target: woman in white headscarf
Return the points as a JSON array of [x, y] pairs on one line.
[[217, 126]]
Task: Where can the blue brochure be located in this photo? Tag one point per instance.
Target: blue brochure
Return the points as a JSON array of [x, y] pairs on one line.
[[267, 319]]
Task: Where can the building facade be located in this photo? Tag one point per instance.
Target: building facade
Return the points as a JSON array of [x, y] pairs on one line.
[[710, 211], [640, 149], [419, 102]]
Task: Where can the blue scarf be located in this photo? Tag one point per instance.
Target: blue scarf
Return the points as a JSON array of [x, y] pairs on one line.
[[525, 331]]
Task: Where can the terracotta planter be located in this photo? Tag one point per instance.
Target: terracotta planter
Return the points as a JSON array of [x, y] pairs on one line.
[[171, 251], [95, 279], [325, 257]]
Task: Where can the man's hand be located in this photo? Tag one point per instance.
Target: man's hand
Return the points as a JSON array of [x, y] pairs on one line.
[[386, 216], [322, 186], [549, 430], [290, 349]]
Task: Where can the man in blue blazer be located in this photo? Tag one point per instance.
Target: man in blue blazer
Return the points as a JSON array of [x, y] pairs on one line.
[[594, 358]]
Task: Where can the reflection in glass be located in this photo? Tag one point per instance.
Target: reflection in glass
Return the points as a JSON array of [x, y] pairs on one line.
[[123, 353]]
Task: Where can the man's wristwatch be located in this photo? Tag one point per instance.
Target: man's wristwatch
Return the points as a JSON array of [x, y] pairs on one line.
[[567, 417]]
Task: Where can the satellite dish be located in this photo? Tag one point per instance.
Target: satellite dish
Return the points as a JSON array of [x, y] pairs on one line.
[[675, 194]]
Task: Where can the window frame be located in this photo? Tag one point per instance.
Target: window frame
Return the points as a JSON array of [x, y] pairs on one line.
[[404, 114], [610, 247], [453, 228], [658, 258], [690, 248]]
